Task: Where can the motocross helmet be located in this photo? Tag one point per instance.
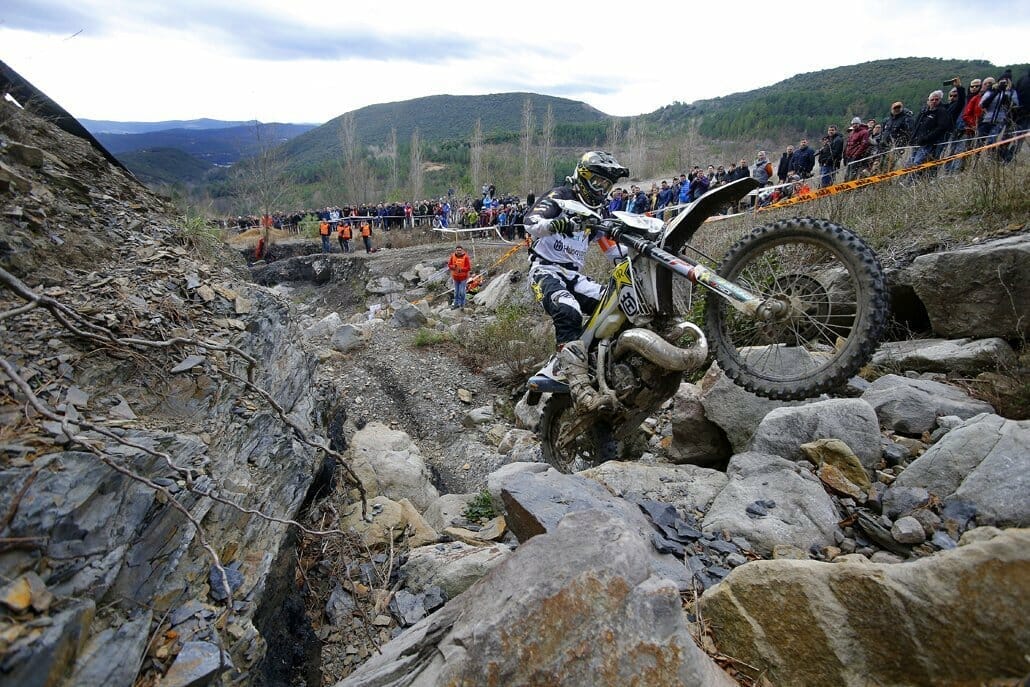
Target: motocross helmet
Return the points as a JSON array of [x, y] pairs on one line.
[[596, 173]]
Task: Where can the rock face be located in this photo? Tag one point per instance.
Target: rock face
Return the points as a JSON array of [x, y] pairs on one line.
[[590, 611], [985, 462], [977, 291], [956, 618], [689, 487], [737, 411], [101, 539]]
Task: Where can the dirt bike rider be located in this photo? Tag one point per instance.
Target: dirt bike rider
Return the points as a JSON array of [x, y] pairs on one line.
[[556, 257]]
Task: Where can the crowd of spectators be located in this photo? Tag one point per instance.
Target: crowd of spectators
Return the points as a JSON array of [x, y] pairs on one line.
[[966, 119]]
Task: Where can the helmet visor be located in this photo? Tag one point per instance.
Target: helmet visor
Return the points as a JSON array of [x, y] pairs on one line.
[[600, 184]]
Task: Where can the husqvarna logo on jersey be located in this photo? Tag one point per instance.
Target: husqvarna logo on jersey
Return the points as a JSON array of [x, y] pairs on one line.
[[559, 246], [628, 301]]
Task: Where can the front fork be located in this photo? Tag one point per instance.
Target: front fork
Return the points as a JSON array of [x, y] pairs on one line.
[[738, 297]]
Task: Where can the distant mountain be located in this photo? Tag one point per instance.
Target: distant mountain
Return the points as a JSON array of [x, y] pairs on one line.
[[103, 126], [221, 146]]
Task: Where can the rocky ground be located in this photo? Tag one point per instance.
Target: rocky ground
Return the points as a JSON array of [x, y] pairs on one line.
[[813, 530]]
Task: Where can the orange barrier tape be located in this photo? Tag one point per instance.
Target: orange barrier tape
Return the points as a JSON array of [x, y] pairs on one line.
[[877, 178]]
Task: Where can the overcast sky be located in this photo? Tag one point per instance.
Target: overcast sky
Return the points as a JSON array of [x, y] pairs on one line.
[[309, 61]]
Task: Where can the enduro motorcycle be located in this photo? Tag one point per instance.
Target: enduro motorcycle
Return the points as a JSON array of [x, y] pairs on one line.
[[793, 310]]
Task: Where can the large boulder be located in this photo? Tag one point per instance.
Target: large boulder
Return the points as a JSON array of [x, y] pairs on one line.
[[688, 487], [504, 289], [977, 291], [957, 618], [388, 463], [590, 611], [537, 502], [912, 406], [986, 462], [452, 567], [784, 430], [736, 411], [961, 356], [773, 501], [695, 439]]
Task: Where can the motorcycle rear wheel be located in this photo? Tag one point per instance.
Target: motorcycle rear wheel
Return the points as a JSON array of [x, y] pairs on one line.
[[833, 298], [591, 447]]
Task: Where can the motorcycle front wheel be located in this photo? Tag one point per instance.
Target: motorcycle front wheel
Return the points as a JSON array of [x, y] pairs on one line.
[[591, 447], [829, 297]]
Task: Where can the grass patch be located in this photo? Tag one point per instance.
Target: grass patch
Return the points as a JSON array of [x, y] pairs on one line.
[[430, 337], [518, 337], [481, 508], [198, 235]]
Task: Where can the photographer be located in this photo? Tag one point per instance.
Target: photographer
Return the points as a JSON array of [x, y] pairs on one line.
[[997, 104]]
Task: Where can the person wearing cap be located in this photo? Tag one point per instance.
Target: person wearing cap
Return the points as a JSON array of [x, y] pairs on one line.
[[897, 131], [856, 149], [931, 127]]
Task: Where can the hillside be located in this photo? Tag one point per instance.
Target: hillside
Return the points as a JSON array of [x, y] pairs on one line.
[[189, 445], [442, 118], [165, 166], [806, 103]]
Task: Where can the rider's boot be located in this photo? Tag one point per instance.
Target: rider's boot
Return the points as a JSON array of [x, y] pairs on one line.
[[575, 367]]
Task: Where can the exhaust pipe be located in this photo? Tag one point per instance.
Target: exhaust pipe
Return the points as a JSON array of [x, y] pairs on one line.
[[663, 353]]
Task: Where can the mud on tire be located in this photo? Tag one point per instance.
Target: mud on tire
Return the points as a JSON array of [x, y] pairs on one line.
[[591, 447]]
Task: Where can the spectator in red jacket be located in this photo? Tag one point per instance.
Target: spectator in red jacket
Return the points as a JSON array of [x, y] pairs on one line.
[[856, 149]]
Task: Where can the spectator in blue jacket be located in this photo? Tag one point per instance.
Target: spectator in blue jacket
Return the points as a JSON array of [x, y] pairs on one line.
[[804, 160]]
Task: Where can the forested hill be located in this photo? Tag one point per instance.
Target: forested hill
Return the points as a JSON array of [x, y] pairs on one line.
[[446, 118], [806, 103]]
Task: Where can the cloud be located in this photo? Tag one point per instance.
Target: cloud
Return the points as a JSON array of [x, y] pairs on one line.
[[49, 16]]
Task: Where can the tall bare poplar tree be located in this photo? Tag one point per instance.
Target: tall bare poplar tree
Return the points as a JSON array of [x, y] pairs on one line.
[[476, 155], [353, 176], [547, 149], [614, 135], [637, 143], [415, 177], [391, 152], [527, 143], [259, 180]]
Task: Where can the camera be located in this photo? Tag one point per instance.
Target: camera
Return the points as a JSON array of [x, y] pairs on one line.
[[949, 82]]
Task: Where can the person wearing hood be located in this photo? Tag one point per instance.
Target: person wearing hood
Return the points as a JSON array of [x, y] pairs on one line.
[[856, 149]]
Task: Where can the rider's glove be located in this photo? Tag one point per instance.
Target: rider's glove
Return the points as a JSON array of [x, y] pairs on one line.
[[563, 225]]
